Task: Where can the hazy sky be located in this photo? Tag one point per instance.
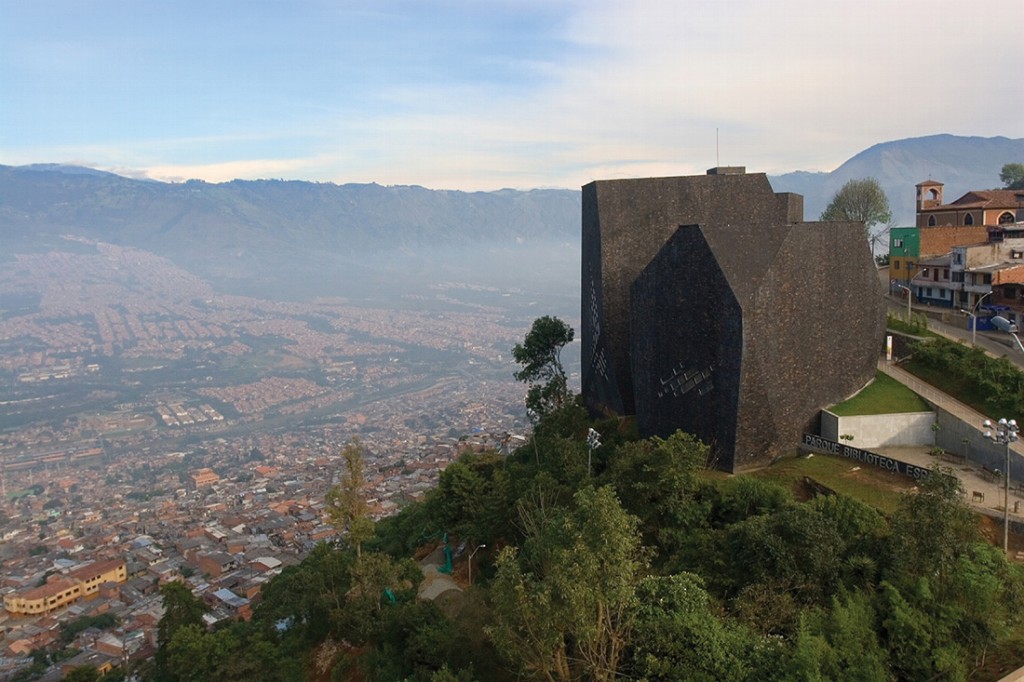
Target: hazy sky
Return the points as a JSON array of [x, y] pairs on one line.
[[484, 94]]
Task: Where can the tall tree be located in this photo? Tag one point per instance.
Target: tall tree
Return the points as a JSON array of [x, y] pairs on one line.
[[346, 506], [181, 610], [565, 605], [840, 643], [859, 201], [679, 637], [932, 528], [1012, 175], [657, 480], [540, 355]]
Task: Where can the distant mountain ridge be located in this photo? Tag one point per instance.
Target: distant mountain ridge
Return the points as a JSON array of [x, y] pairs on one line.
[[290, 235], [961, 163], [311, 238]]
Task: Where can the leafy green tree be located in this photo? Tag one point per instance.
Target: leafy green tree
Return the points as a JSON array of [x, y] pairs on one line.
[[416, 642], [919, 647], [195, 655], [657, 481], [741, 497], [840, 643], [931, 529], [677, 636], [795, 553], [400, 534], [864, 533], [949, 595], [374, 575], [859, 201], [346, 504], [181, 610], [1012, 175], [310, 596], [471, 500], [236, 653], [565, 604], [540, 355]]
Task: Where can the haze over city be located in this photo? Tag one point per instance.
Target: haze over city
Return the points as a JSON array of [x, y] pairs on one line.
[[480, 96]]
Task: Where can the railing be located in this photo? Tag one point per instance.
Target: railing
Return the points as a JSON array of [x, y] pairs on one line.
[[949, 404]]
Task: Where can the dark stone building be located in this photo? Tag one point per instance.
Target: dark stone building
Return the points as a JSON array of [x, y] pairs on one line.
[[709, 306]]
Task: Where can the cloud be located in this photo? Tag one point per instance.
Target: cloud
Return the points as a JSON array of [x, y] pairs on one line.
[[558, 95], [225, 171]]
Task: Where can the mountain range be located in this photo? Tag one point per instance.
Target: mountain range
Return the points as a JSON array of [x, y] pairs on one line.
[[292, 238], [961, 163]]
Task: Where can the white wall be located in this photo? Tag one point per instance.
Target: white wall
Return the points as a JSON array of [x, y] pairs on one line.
[[880, 430]]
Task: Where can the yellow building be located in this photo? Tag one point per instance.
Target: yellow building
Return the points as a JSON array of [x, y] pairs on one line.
[[60, 591], [202, 478], [55, 594], [97, 573]]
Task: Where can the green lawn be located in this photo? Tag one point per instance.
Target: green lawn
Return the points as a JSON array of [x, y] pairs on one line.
[[884, 395], [873, 486]]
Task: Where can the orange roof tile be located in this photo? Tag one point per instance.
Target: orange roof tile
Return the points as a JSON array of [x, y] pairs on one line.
[[96, 568], [55, 586]]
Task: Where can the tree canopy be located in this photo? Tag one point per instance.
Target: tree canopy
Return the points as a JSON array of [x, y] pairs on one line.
[[1012, 175], [859, 201], [346, 505], [540, 355], [647, 567]]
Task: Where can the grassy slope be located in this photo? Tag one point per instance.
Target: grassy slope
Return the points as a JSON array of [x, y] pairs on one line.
[[884, 395], [876, 487]]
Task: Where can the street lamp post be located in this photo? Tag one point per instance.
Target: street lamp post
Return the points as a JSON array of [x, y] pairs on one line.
[[974, 325], [471, 555], [910, 296], [909, 288], [593, 441], [972, 315], [974, 318], [1005, 433]]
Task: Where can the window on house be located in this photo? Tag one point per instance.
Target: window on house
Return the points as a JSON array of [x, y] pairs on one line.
[[931, 221], [897, 243], [986, 279], [945, 273], [968, 219], [958, 276], [1017, 255], [1006, 218], [895, 265], [958, 258]]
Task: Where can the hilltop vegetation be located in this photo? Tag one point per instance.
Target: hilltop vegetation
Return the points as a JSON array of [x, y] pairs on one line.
[[624, 561], [646, 569]]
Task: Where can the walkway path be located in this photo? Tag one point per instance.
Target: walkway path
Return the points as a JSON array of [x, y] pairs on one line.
[[995, 344], [963, 412], [984, 492], [434, 582]]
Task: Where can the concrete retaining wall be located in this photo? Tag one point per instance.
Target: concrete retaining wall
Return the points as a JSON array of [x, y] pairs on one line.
[[953, 432], [881, 430]]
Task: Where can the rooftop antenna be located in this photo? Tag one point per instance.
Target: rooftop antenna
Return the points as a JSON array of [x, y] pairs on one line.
[[718, 160]]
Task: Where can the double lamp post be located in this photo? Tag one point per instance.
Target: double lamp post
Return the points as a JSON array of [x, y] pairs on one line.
[[1006, 432]]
